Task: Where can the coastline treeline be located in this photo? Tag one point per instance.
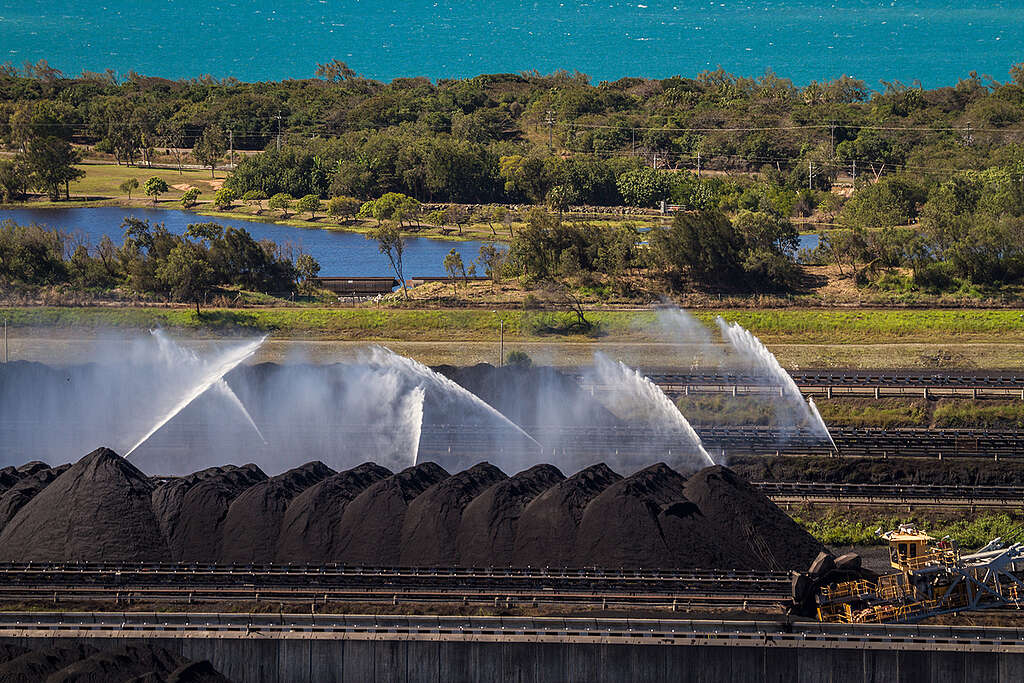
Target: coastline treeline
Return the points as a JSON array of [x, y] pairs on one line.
[[921, 189]]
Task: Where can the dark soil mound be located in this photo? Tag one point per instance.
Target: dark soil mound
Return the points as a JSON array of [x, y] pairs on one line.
[[750, 529], [25, 490], [620, 527], [169, 496], [253, 523], [432, 522], [98, 510], [36, 665], [531, 395], [310, 526], [9, 651], [546, 533], [197, 535], [487, 533], [129, 661], [11, 475], [370, 532], [195, 672]]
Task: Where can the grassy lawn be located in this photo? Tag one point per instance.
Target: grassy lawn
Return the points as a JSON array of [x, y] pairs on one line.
[[102, 180], [783, 326]]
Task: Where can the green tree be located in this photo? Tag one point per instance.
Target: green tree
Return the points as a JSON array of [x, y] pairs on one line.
[[491, 259], [643, 187], [343, 208], [255, 198], [391, 243], [281, 201], [224, 197], [307, 268], [14, 180], [454, 267], [190, 198], [560, 198], [155, 187], [128, 186], [50, 162], [309, 204], [187, 273], [393, 206], [705, 244], [210, 147]]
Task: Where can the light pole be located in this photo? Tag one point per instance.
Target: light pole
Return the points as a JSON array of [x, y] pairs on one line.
[[501, 340], [5, 339]]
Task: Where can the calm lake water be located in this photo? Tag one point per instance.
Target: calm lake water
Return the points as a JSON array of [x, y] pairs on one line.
[[339, 253], [934, 41]]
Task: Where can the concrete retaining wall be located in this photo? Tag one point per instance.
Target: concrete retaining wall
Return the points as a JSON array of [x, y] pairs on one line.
[[259, 660]]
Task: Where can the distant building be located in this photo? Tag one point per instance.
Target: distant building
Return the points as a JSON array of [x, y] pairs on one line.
[[358, 286]]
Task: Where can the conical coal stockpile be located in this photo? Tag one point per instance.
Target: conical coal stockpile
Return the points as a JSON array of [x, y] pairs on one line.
[[98, 510], [620, 527], [487, 532], [546, 532], [370, 532], [748, 527], [27, 488], [169, 497], [432, 522], [204, 503], [309, 529], [11, 475], [253, 522]]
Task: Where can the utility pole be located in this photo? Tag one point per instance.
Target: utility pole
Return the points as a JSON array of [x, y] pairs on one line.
[[810, 175], [854, 174], [833, 127], [550, 120], [501, 343], [633, 146], [698, 164], [231, 146], [278, 132], [5, 341]]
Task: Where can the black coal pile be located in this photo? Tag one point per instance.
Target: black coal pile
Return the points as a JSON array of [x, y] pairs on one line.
[[746, 522], [432, 522], [309, 531], [546, 533], [487, 534], [14, 498], [81, 663], [195, 531], [370, 532], [253, 521], [100, 509], [103, 509]]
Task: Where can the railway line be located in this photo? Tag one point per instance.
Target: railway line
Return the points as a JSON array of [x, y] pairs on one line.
[[597, 443], [925, 495], [512, 629], [131, 583]]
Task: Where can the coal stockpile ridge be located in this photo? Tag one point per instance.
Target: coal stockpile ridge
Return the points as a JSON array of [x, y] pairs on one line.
[[370, 531], [82, 663], [487, 534], [253, 522], [746, 522], [197, 535], [546, 532], [432, 522], [309, 529], [100, 509], [103, 509], [15, 498]]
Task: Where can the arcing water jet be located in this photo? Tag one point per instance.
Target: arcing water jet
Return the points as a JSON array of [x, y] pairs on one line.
[[631, 394], [757, 354], [384, 357], [216, 372]]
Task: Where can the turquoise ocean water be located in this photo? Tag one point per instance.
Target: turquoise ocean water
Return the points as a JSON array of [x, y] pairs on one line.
[[932, 41]]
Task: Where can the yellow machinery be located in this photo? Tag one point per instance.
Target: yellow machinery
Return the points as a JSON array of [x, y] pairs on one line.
[[931, 578]]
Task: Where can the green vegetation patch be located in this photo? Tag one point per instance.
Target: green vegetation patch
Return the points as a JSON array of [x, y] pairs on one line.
[[834, 529]]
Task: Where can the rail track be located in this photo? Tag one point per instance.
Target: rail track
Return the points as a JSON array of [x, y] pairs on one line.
[[854, 383], [128, 583], [598, 443], [926, 495], [765, 633]]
